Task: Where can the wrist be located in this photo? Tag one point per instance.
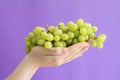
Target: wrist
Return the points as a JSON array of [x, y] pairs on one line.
[[30, 61]]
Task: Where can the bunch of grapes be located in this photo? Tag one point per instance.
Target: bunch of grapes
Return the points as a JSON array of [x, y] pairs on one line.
[[64, 35]]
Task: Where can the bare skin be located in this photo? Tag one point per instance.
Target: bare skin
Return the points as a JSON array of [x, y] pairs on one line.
[[42, 57]]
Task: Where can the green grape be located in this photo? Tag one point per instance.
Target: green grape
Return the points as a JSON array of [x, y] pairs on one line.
[[69, 42], [41, 42], [93, 43], [103, 35], [70, 23], [55, 28], [44, 35], [86, 37], [28, 44], [71, 35], [64, 28], [94, 29], [64, 43], [83, 31], [86, 25], [31, 35], [92, 35], [81, 38], [27, 50], [89, 31], [64, 36], [61, 24], [76, 33], [49, 37], [48, 45], [39, 37], [51, 29], [79, 22], [34, 41], [26, 39], [58, 44], [32, 47], [73, 27], [75, 40], [100, 39], [38, 30], [99, 45], [58, 32], [57, 38]]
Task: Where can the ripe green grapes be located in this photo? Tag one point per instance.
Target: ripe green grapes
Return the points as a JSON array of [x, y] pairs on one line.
[[64, 35]]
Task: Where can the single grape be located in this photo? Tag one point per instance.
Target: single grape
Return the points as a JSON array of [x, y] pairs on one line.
[[41, 42], [57, 38], [100, 39], [94, 29], [28, 44], [49, 37], [89, 31], [51, 29], [48, 45], [92, 35], [75, 40], [70, 23], [31, 35], [69, 42], [27, 50], [99, 45], [26, 39], [86, 25], [58, 32], [32, 47], [79, 22], [55, 28], [76, 33], [58, 44], [64, 28], [64, 43], [38, 37], [81, 38], [73, 27], [34, 41], [61, 24], [83, 31], [93, 43], [71, 35], [38, 30], [64, 36], [44, 35], [103, 35], [86, 37]]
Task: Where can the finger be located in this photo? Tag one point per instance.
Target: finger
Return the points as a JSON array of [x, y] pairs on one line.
[[76, 55], [55, 51], [72, 51], [76, 46]]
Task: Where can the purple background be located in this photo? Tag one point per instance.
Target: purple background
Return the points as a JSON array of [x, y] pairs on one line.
[[18, 17]]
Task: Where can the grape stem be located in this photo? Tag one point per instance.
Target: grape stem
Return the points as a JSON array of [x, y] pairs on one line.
[[47, 26]]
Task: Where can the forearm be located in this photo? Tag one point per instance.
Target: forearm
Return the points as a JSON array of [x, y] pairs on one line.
[[25, 70]]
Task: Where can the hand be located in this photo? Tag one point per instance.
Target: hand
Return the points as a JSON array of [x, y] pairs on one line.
[[56, 56], [42, 57]]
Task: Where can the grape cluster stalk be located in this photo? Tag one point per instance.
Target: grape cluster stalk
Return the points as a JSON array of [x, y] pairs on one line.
[[64, 35]]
